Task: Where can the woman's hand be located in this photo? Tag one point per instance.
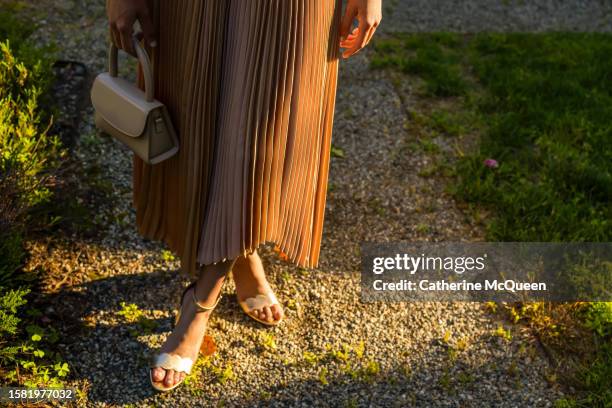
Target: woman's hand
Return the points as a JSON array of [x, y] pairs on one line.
[[369, 14], [122, 14]]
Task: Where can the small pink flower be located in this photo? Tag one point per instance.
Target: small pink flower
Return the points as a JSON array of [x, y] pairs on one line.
[[491, 163]]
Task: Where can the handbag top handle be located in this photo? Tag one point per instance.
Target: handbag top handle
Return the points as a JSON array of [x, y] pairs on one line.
[[145, 63]]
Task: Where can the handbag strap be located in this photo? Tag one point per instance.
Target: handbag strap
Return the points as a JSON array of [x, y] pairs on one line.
[[143, 57], [145, 63]]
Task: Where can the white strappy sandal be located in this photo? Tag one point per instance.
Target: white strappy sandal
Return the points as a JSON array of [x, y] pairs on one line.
[[169, 361], [258, 302]]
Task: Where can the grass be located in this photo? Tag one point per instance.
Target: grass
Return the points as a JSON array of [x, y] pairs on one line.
[[434, 57], [208, 369], [540, 106], [546, 101], [341, 363]]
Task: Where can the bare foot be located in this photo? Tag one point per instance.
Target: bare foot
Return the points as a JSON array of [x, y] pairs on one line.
[[186, 338], [250, 279]]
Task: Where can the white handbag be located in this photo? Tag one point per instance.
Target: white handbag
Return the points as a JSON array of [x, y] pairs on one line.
[[134, 117]]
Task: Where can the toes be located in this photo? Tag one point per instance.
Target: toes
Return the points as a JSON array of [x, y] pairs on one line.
[[158, 374], [277, 312], [168, 377], [256, 313], [169, 380], [268, 314]]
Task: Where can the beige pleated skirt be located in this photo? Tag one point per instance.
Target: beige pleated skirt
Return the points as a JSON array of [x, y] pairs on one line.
[[251, 87]]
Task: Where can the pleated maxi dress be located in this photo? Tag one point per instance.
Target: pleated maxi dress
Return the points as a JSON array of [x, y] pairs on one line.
[[251, 88]]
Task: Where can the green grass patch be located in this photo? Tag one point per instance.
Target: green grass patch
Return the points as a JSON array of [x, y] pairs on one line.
[[548, 104], [434, 57], [543, 104]]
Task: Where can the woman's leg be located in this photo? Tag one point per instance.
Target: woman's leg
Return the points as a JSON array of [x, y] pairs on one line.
[[186, 338], [250, 278]]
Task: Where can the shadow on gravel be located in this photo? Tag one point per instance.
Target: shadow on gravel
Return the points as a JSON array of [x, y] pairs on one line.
[[108, 353], [114, 359]]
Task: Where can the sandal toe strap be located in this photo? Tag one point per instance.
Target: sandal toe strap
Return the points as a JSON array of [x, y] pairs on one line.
[[261, 300], [173, 362]]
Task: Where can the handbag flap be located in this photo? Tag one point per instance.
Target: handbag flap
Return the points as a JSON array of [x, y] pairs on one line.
[[121, 103]]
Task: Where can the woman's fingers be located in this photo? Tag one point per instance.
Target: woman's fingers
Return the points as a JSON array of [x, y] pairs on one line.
[[354, 33], [359, 42], [347, 20], [148, 28], [348, 43], [122, 15], [126, 31], [114, 34], [349, 39], [368, 14]]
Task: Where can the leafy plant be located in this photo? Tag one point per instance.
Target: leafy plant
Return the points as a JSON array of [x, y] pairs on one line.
[[598, 318], [323, 376], [267, 341], [10, 301], [205, 366], [226, 374], [337, 152], [167, 255], [132, 314], [28, 154], [503, 333], [23, 359], [130, 311]]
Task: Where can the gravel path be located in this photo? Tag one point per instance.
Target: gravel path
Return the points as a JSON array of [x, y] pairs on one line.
[[332, 349], [497, 15]]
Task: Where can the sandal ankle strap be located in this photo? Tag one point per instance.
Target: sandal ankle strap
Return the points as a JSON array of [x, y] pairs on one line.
[[204, 308], [195, 300]]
